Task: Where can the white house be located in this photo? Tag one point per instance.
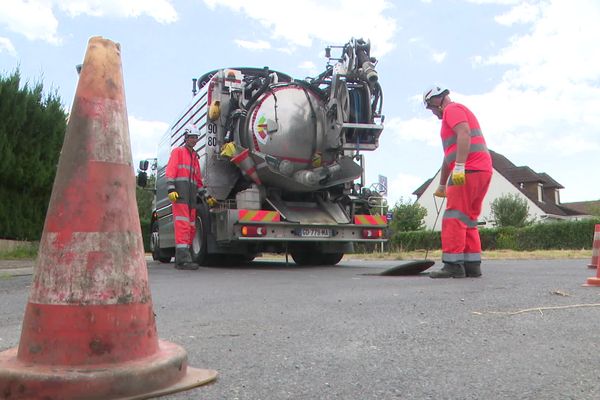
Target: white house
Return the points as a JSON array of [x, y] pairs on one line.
[[539, 190]]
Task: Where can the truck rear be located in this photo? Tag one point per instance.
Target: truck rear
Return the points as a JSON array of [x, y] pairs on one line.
[[284, 160]]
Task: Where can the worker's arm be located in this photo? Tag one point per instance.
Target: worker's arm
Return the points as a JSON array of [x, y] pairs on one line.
[[171, 174], [463, 141], [444, 173]]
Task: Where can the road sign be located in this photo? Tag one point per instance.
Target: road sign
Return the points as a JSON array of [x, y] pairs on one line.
[[389, 216]]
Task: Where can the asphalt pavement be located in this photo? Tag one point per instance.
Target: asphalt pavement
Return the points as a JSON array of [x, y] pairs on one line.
[[526, 329]]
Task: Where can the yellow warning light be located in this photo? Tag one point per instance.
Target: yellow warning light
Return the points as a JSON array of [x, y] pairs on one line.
[[214, 111]]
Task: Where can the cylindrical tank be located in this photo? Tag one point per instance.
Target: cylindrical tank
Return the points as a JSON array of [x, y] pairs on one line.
[[286, 123]]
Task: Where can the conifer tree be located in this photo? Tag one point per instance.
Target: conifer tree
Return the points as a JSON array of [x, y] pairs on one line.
[[32, 129]]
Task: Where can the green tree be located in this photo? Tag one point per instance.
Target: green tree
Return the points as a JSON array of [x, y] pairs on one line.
[[407, 216], [510, 210], [145, 199], [32, 129], [145, 204]]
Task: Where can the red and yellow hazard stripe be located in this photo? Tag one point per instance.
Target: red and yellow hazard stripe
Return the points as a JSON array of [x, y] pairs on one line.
[[258, 216], [370, 219]]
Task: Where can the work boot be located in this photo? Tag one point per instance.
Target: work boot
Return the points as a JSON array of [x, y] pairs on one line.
[[183, 259], [473, 269], [449, 271]]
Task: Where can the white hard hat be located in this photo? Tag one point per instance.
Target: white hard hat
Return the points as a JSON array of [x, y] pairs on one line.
[[433, 91], [191, 130]]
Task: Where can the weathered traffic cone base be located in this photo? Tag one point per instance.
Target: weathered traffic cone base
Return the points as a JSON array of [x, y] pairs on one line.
[[164, 372]]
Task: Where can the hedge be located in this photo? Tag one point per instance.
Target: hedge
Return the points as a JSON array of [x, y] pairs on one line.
[[540, 236]]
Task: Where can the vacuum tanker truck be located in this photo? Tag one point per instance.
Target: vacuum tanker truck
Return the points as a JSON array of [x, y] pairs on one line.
[[283, 158]]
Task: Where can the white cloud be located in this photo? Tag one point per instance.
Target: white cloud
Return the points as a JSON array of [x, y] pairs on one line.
[[401, 187], [160, 10], [439, 57], [7, 46], [369, 21], [522, 13], [35, 19], [414, 129], [256, 45], [550, 95], [145, 136], [307, 65], [310, 68]]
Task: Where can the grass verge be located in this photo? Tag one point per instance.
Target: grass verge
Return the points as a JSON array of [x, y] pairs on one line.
[[24, 252], [486, 255]]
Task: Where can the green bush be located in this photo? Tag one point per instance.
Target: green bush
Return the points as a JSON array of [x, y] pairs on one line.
[[407, 241], [510, 210], [408, 216]]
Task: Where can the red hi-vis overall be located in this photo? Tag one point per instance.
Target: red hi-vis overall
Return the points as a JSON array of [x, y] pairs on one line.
[[460, 236], [183, 176]]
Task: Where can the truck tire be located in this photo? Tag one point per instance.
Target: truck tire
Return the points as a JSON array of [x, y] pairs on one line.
[[303, 258], [158, 254], [331, 258], [199, 243]]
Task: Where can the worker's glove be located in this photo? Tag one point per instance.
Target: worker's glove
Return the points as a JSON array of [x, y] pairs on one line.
[[440, 191], [211, 201], [173, 196], [458, 174]]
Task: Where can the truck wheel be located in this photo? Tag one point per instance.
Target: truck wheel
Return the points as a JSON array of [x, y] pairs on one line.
[[331, 258], [199, 243], [157, 253], [304, 257]]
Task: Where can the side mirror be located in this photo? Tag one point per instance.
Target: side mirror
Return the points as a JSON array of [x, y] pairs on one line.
[[142, 178], [144, 165]]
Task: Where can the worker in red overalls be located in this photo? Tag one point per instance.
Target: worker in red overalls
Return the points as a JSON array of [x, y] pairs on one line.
[[183, 182], [464, 180]]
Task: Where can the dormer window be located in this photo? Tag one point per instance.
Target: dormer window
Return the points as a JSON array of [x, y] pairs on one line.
[[540, 192]]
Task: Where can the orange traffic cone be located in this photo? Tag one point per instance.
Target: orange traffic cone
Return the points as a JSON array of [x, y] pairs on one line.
[[595, 247], [595, 281], [89, 330], [247, 165]]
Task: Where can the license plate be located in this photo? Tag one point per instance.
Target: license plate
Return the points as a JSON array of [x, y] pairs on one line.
[[315, 232]]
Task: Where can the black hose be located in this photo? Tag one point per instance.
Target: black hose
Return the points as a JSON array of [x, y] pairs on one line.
[[259, 93], [378, 98]]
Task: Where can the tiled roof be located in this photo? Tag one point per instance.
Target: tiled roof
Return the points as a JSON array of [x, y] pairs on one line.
[[585, 207], [549, 182], [422, 188], [524, 175]]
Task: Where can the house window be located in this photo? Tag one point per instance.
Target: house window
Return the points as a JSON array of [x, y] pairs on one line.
[[556, 196], [540, 193]]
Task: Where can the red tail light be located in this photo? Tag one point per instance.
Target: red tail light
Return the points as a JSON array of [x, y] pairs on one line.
[[372, 233], [253, 231]]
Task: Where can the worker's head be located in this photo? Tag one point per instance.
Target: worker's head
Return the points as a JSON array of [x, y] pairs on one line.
[[433, 98], [191, 136]]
